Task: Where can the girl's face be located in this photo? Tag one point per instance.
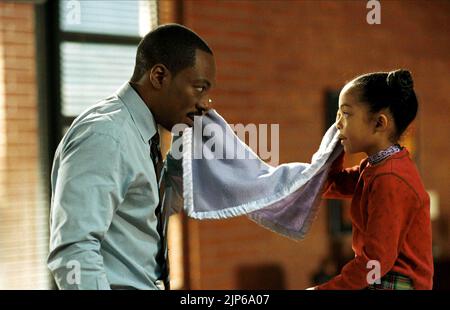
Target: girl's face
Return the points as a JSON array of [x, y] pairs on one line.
[[356, 129]]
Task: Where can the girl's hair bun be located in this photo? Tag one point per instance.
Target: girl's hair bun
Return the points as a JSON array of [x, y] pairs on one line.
[[400, 80]]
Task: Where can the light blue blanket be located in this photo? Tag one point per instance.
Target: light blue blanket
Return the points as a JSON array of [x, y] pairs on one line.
[[284, 199]]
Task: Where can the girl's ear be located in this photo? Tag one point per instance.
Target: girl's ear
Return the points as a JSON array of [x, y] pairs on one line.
[[382, 122]]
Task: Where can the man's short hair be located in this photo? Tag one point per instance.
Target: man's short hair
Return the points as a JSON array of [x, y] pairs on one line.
[[172, 45]]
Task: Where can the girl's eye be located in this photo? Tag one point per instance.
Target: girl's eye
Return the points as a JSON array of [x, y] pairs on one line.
[[341, 114], [344, 114], [200, 89]]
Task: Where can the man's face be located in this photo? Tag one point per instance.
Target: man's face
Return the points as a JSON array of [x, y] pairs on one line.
[[186, 94]]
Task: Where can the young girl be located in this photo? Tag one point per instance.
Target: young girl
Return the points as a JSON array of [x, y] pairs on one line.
[[390, 208]]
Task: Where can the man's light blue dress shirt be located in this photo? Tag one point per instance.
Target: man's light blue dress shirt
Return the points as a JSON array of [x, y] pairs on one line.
[[104, 195]]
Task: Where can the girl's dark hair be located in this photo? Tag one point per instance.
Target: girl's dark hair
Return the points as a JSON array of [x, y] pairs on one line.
[[393, 90]]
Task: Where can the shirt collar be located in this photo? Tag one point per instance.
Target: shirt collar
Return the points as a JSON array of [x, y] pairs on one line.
[[367, 166], [140, 113]]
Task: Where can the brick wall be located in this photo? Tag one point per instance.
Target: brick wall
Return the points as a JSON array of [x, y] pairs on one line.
[[275, 60], [23, 241]]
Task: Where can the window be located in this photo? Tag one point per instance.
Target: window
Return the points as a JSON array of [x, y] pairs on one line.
[[91, 71], [126, 18], [97, 49]]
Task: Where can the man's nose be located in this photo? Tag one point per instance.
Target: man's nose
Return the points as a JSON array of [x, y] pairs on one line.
[[204, 105]]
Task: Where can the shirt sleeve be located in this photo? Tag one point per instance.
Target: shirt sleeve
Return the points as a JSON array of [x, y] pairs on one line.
[[341, 182], [391, 209], [86, 193]]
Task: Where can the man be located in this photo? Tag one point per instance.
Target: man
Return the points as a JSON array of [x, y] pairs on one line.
[[108, 230]]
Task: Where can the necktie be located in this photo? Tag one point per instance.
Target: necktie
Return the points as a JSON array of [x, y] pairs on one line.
[[162, 256]]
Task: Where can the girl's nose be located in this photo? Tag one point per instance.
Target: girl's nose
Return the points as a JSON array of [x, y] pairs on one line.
[[338, 121]]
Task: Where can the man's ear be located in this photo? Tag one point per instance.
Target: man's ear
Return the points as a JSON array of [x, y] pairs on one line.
[[159, 75]]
